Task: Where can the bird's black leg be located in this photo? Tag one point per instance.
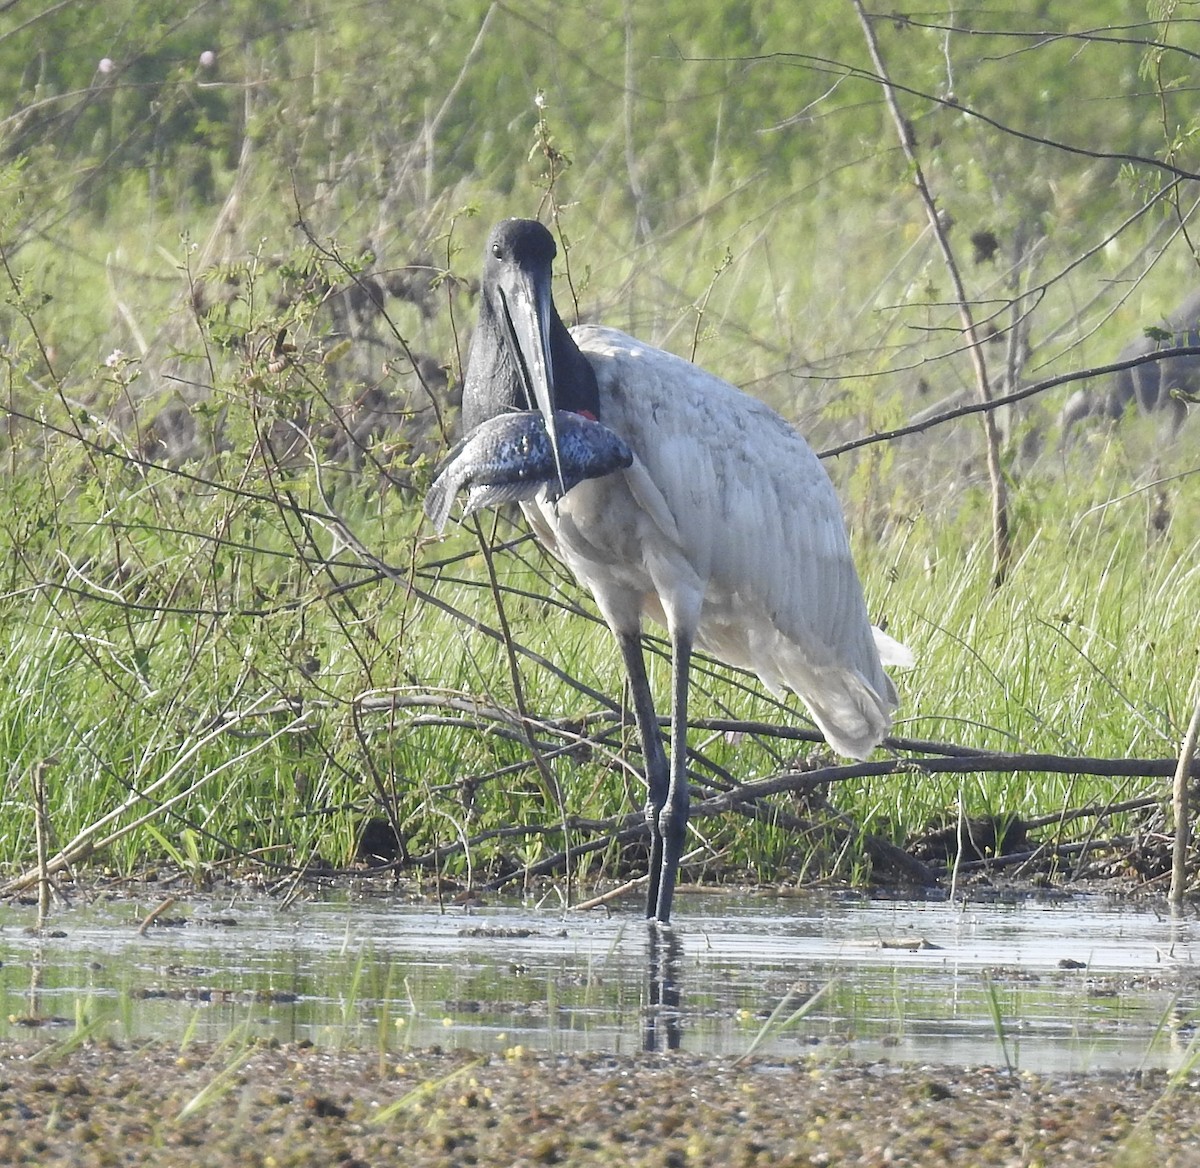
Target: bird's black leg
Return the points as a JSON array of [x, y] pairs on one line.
[[673, 818], [658, 779]]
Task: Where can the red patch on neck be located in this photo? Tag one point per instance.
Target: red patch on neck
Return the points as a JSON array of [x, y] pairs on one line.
[[586, 414]]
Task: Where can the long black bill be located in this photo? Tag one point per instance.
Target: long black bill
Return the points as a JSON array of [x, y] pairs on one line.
[[528, 311]]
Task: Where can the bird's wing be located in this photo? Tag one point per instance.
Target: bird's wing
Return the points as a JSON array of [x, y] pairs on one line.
[[758, 520]]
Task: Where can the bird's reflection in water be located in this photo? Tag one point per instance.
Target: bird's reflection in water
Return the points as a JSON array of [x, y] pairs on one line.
[[664, 954]]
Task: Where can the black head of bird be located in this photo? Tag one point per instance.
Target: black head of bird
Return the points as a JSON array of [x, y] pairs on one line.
[[522, 357]]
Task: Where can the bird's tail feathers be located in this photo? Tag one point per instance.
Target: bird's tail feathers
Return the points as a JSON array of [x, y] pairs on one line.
[[848, 711], [891, 652], [852, 712]]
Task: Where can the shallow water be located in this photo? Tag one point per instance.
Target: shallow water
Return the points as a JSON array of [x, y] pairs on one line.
[[904, 980]]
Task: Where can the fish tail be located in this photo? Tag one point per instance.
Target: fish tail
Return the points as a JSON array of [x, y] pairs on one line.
[[438, 502]]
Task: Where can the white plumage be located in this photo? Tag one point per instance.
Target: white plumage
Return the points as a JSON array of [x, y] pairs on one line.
[[727, 523]]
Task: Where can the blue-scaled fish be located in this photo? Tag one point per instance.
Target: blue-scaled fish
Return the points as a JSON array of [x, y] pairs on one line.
[[509, 458]]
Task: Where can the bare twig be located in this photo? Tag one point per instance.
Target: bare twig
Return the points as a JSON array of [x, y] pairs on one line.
[[1001, 542], [41, 826], [1180, 806], [154, 914], [942, 417], [543, 768]]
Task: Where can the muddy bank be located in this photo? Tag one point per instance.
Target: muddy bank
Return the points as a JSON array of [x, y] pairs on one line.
[[295, 1106]]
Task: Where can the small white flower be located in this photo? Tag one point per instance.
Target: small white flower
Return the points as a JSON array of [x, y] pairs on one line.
[[208, 59], [106, 65], [539, 99], [114, 358]]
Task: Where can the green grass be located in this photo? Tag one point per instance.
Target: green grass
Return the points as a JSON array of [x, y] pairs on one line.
[[188, 636], [160, 609]]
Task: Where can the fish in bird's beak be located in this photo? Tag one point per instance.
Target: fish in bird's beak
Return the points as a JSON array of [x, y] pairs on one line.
[[527, 310]]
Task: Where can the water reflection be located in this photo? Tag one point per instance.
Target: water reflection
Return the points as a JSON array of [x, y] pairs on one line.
[[664, 955], [1083, 984]]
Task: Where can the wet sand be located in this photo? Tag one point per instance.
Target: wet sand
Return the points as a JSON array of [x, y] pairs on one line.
[[293, 1106]]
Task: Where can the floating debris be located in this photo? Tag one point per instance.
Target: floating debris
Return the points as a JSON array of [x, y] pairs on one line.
[[911, 944]]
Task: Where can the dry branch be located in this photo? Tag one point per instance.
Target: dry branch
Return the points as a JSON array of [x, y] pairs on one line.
[[1001, 543], [1182, 825], [751, 799]]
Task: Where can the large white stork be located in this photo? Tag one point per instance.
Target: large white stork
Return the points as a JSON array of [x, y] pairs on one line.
[[725, 529]]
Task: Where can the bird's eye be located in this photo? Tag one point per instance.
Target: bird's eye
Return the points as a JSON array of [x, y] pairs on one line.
[[497, 251]]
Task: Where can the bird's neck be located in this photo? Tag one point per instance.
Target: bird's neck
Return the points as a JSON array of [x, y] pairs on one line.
[[575, 386], [492, 384], [495, 385]]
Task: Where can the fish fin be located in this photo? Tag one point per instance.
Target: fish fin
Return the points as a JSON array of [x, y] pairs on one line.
[[497, 494]]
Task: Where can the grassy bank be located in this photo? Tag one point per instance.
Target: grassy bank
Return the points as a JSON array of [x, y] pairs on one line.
[[202, 642], [236, 295]]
